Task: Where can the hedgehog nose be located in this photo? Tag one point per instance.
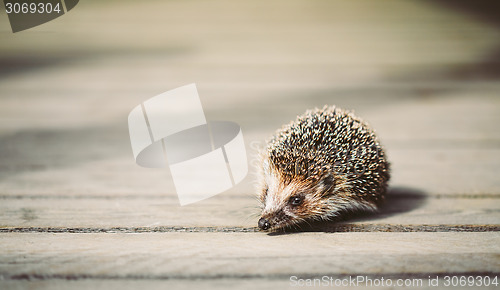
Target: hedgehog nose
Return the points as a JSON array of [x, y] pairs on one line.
[[264, 224]]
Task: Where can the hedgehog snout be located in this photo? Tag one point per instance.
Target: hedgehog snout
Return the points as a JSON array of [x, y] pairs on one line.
[[271, 220]]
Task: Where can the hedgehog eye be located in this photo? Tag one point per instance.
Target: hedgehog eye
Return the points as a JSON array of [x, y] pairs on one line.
[[295, 200]]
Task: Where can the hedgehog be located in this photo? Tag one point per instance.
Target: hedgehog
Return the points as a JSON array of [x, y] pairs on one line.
[[324, 166]]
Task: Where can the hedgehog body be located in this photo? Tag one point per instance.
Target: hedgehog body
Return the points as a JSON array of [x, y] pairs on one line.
[[324, 165]]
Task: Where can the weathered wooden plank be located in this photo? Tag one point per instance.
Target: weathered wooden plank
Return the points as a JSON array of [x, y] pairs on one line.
[[424, 283], [222, 211], [154, 284], [240, 255], [435, 171], [93, 160]]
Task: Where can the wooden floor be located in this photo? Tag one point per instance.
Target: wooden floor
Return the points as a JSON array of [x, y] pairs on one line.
[[76, 212]]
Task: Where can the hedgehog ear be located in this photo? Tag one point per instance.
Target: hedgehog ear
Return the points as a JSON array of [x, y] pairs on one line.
[[327, 182]]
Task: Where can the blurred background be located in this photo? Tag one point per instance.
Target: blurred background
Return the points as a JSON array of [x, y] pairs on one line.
[[424, 74]]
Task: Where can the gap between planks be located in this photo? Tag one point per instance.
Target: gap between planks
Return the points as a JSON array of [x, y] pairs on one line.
[[155, 196], [334, 228]]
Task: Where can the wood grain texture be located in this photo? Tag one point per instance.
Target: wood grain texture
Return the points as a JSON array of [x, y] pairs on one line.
[[77, 212], [157, 212], [236, 255]]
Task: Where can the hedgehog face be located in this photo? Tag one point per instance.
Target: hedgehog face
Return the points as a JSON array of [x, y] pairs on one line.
[[288, 202]]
